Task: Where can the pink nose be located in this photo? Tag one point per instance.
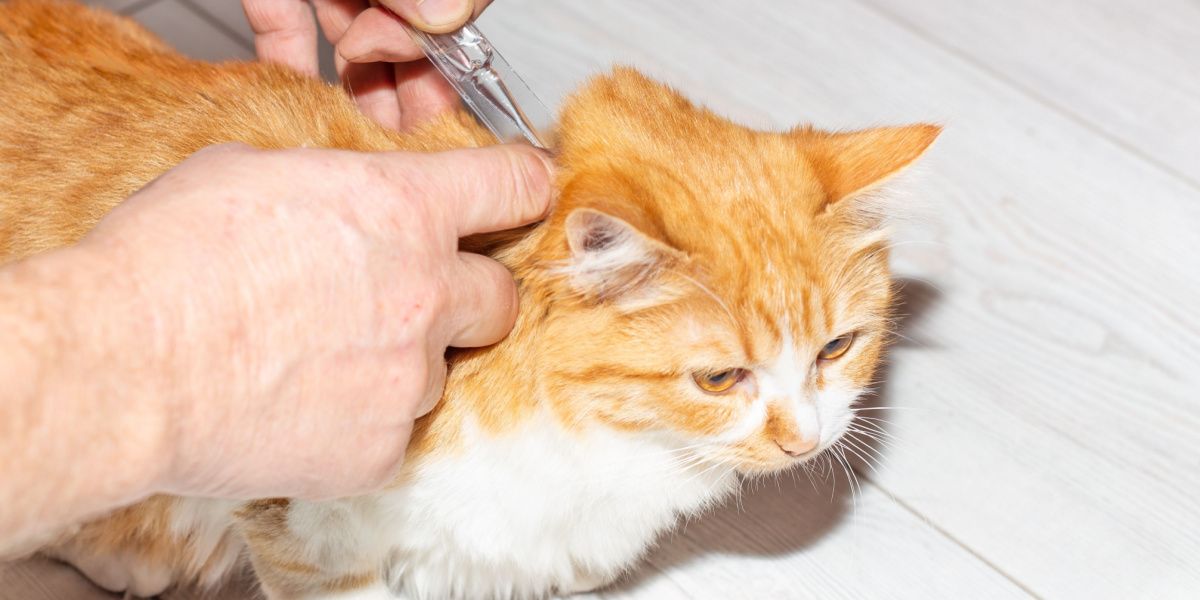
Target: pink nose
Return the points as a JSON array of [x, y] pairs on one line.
[[795, 445]]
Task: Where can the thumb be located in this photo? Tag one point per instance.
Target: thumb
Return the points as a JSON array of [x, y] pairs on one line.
[[433, 16], [484, 189]]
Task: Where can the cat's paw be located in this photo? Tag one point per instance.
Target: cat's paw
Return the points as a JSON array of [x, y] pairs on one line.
[[121, 574], [375, 591], [584, 583]]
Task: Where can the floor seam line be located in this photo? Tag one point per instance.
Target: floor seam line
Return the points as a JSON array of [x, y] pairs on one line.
[[136, 6], [945, 533]]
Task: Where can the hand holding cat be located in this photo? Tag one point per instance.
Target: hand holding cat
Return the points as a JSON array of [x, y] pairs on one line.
[[254, 324], [309, 297], [376, 58]]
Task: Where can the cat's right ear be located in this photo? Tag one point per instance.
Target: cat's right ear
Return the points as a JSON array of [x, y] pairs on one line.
[[612, 259]]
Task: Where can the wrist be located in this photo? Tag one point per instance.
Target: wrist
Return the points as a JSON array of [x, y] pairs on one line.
[[89, 372]]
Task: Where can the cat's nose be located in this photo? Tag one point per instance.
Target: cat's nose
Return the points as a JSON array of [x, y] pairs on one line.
[[795, 445]]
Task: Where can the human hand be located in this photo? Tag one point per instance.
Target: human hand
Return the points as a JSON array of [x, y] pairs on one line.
[[376, 59], [290, 309]]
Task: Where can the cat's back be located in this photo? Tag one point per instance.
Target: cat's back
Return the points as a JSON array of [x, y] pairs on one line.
[[66, 71], [71, 33], [95, 106]]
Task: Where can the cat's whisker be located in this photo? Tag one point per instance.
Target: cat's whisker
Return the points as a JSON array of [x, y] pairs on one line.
[[906, 338], [677, 460], [682, 451], [699, 474], [874, 426], [840, 455], [911, 277], [870, 424], [865, 461], [808, 473], [874, 433], [878, 420], [869, 439], [826, 466], [877, 443], [681, 464], [865, 455], [842, 449]]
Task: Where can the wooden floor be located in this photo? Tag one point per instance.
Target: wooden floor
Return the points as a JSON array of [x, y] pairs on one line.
[[1046, 393]]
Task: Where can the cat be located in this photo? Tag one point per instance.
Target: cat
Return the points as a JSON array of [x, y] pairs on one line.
[[705, 302]]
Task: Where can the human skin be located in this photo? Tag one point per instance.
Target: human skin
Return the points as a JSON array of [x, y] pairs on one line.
[[376, 59], [250, 324]]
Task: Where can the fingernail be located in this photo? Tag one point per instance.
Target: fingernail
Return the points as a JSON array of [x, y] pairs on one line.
[[548, 161], [442, 12], [550, 175]]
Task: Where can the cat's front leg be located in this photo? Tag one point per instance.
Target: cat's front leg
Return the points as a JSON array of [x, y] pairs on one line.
[[376, 590], [121, 573], [316, 550]]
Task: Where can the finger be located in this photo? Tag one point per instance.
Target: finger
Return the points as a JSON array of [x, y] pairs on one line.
[[335, 16], [480, 6], [422, 93], [378, 35], [436, 381], [433, 16], [488, 189], [284, 33], [484, 307], [373, 86]]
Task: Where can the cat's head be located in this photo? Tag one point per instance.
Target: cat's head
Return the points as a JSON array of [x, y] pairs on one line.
[[722, 286]]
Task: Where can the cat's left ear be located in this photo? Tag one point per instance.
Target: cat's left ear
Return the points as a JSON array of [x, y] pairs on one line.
[[612, 259], [851, 163]]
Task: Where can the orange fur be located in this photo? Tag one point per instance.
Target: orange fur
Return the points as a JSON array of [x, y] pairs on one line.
[[755, 240]]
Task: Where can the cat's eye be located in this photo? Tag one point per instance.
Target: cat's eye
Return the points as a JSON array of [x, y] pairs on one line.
[[718, 382], [836, 347]]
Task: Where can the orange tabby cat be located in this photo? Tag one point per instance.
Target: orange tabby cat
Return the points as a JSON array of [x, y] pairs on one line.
[[705, 301]]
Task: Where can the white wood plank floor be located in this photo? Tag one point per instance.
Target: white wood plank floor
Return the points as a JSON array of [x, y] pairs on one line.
[[1047, 390]]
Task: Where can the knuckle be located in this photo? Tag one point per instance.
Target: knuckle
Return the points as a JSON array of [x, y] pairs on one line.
[[440, 296], [427, 303], [395, 184], [530, 181]]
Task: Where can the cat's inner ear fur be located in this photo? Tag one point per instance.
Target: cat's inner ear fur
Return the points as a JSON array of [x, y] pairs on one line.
[[611, 259], [850, 164]]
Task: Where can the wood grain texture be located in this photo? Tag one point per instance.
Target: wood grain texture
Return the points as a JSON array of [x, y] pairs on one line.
[[1126, 69], [1045, 390]]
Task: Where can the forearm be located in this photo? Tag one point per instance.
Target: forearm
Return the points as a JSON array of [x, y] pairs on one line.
[[78, 434]]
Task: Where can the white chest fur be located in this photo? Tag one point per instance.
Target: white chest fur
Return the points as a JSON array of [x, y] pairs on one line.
[[534, 512]]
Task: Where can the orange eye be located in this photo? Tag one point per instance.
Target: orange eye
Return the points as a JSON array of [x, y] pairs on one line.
[[719, 382], [836, 347]]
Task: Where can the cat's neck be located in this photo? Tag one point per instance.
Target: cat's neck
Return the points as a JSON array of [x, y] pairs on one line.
[[497, 388]]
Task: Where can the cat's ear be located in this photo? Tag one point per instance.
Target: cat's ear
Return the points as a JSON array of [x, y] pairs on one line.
[[611, 258], [851, 163]]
